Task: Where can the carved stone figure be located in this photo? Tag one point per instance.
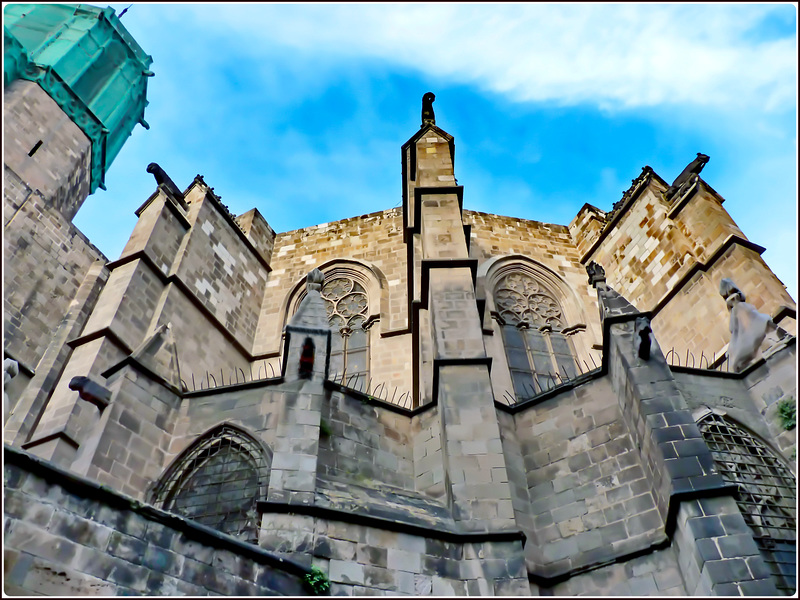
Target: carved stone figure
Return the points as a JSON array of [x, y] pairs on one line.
[[693, 168], [642, 338], [10, 370], [163, 179], [427, 109], [596, 273], [91, 391], [749, 328]]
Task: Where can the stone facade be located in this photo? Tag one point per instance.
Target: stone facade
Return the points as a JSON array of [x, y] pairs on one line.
[[471, 416]]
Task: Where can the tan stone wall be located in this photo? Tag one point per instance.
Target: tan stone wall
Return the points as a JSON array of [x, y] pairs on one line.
[[654, 245], [370, 240], [220, 268], [697, 319]]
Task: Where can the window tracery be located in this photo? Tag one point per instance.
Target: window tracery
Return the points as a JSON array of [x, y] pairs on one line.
[[767, 492], [347, 305], [540, 355], [218, 482]]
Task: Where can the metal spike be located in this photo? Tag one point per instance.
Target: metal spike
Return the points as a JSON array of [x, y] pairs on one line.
[[214, 378], [194, 387], [393, 394], [222, 377], [244, 377], [259, 371], [271, 371], [592, 359]]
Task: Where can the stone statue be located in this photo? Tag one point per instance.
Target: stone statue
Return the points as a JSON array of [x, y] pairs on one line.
[[693, 168], [163, 179], [10, 370], [596, 273], [642, 339], [749, 328], [427, 109]]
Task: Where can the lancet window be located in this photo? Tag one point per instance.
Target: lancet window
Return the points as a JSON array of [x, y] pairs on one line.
[[347, 306], [767, 492], [540, 355], [218, 482]]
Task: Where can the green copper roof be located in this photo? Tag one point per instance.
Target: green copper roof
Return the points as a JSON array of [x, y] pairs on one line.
[[86, 60]]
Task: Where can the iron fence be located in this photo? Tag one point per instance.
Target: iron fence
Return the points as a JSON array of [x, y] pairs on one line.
[[262, 371], [705, 362], [549, 381]]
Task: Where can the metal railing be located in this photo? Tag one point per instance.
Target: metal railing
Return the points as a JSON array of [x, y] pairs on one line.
[[546, 382], [362, 384], [692, 361], [260, 371]]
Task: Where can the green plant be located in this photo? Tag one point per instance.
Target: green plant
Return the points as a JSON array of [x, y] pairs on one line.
[[787, 413], [324, 428], [317, 581]]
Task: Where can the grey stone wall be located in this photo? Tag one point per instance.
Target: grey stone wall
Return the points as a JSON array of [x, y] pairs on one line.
[[366, 443], [67, 536], [590, 498], [58, 169]]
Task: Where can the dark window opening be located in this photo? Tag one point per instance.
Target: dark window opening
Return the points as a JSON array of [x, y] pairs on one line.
[[218, 483], [767, 493]]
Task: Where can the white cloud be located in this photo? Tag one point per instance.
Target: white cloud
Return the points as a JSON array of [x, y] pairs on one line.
[[615, 55]]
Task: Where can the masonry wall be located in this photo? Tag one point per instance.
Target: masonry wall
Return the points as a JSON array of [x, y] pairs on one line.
[[372, 240], [66, 536], [45, 260], [590, 498], [366, 444], [655, 245]]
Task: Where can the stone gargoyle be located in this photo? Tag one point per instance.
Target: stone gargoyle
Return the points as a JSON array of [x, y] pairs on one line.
[[749, 328], [693, 168]]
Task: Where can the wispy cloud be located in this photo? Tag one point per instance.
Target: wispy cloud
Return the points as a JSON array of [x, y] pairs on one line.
[[614, 55]]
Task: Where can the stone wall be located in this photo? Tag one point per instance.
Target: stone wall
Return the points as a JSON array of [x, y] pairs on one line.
[[664, 257], [65, 535], [590, 498]]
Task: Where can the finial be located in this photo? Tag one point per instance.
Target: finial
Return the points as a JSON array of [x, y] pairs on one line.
[[427, 109], [596, 273], [314, 280]]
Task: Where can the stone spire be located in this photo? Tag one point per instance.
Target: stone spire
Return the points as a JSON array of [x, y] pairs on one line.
[[311, 312]]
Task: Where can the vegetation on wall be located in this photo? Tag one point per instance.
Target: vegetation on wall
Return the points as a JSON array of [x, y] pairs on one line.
[[317, 582], [787, 413]]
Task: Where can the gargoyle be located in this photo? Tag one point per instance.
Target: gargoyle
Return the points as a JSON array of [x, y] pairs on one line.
[[596, 273], [693, 168], [427, 109], [642, 340], [749, 328], [162, 179]]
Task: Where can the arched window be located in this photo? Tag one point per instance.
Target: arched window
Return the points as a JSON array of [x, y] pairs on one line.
[[348, 312], [539, 355], [217, 482], [767, 493]]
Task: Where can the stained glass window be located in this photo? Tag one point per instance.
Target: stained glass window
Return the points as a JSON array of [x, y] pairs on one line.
[[767, 493], [539, 355], [218, 482], [347, 306]]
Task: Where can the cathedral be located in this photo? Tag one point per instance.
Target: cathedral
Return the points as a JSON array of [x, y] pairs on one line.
[[424, 400]]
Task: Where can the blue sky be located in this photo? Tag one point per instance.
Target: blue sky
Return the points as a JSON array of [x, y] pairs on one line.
[[300, 110]]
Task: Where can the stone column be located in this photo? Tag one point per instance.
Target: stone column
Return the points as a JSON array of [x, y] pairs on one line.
[[294, 462]]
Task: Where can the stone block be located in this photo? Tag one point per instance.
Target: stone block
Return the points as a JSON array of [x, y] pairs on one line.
[[346, 572]]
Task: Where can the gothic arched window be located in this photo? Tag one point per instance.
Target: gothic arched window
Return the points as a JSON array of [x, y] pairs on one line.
[[539, 355], [767, 492], [217, 482], [348, 310]]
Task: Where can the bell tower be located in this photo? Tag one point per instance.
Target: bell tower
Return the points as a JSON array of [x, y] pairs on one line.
[[75, 87]]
